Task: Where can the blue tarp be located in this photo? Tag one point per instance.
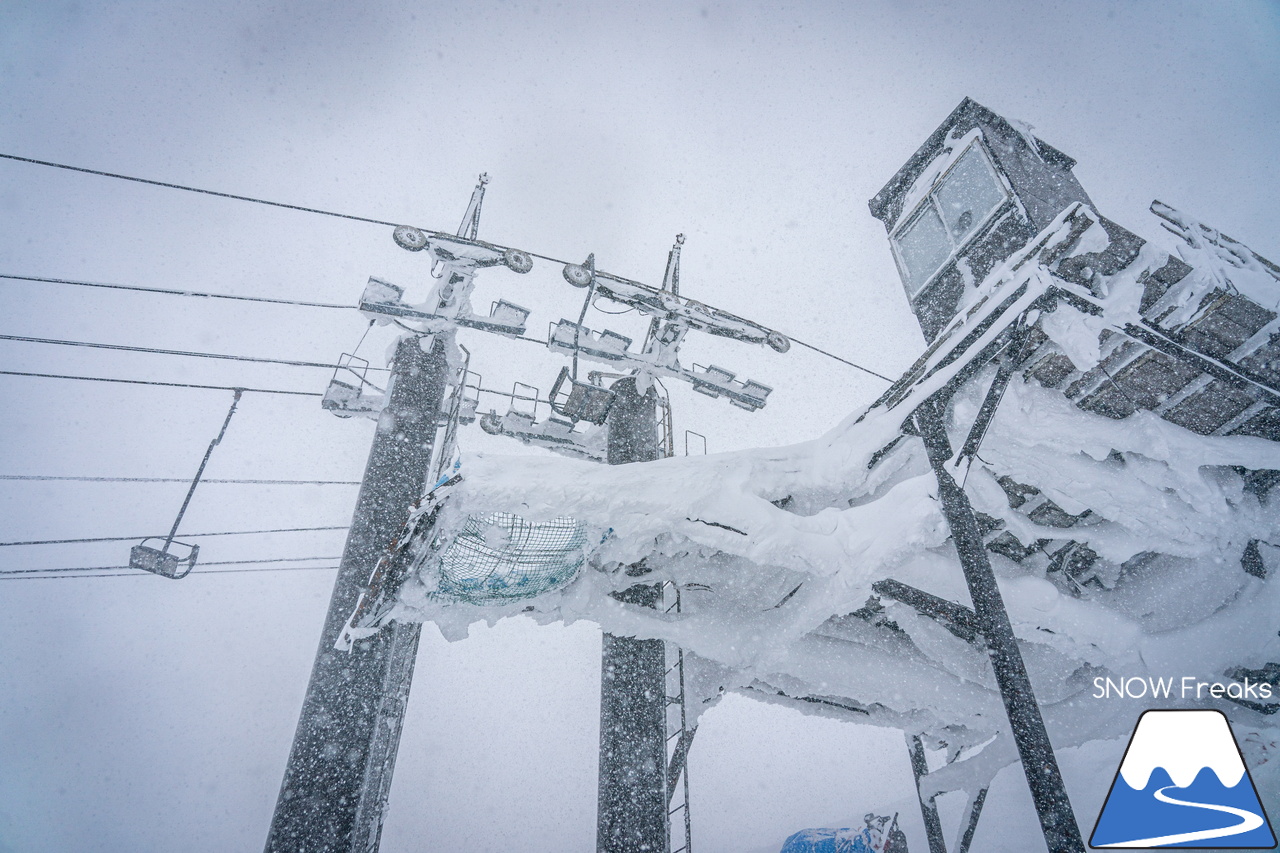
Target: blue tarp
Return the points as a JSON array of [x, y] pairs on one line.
[[830, 841], [880, 835]]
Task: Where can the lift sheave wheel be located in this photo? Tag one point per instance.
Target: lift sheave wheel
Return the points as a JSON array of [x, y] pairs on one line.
[[410, 238]]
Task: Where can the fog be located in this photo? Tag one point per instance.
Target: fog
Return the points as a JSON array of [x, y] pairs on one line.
[[138, 713]]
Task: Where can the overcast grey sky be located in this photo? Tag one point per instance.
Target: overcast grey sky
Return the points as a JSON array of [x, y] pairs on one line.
[[141, 714]]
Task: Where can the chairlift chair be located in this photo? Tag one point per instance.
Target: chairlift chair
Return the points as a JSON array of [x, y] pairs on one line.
[[554, 433], [521, 414], [582, 401], [605, 345], [381, 299], [469, 405], [347, 392], [506, 313], [504, 317], [159, 561]]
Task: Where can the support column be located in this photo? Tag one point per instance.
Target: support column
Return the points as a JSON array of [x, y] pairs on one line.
[[632, 806], [928, 806], [338, 776], [1061, 834]]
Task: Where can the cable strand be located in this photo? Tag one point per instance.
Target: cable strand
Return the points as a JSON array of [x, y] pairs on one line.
[[173, 292], [42, 477], [137, 573], [196, 190], [321, 212], [185, 353], [111, 568], [184, 536], [165, 384]]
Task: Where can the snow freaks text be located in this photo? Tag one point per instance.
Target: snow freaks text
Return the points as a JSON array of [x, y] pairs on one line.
[[1186, 687]]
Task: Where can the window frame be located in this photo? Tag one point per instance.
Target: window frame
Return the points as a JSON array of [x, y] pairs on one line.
[[930, 202]]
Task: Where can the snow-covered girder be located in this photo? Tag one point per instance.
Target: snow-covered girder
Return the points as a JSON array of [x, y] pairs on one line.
[[667, 305], [382, 299], [610, 348], [671, 318]]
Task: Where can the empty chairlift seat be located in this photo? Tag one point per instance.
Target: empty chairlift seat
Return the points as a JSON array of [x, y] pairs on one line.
[[350, 392], [163, 561], [580, 401], [504, 317], [568, 336]]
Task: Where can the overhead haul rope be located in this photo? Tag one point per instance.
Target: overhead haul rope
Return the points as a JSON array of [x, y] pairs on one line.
[[195, 190], [185, 536], [172, 292], [184, 353], [68, 573], [111, 568], [179, 480], [165, 384], [137, 573], [320, 212]]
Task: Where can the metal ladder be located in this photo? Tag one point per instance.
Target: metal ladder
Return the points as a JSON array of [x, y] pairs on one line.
[[679, 735], [666, 436]]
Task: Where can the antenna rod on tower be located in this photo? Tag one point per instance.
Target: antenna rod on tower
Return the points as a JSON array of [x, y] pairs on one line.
[[470, 226]]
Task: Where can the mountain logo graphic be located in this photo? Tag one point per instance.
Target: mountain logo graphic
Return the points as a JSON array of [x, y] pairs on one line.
[[1183, 783]]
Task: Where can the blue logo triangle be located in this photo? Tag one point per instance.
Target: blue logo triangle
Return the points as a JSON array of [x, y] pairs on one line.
[[1183, 783]]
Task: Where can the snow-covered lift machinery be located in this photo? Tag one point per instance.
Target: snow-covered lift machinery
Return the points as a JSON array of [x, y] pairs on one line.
[[641, 762], [633, 809], [672, 317], [1010, 271]]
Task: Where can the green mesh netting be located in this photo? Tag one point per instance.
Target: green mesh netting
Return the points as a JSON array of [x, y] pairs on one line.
[[501, 557]]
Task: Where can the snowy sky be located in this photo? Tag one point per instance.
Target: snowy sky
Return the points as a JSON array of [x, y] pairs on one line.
[[142, 714]]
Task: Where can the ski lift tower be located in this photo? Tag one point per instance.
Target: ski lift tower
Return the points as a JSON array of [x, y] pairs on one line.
[[643, 746], [338, 777]]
